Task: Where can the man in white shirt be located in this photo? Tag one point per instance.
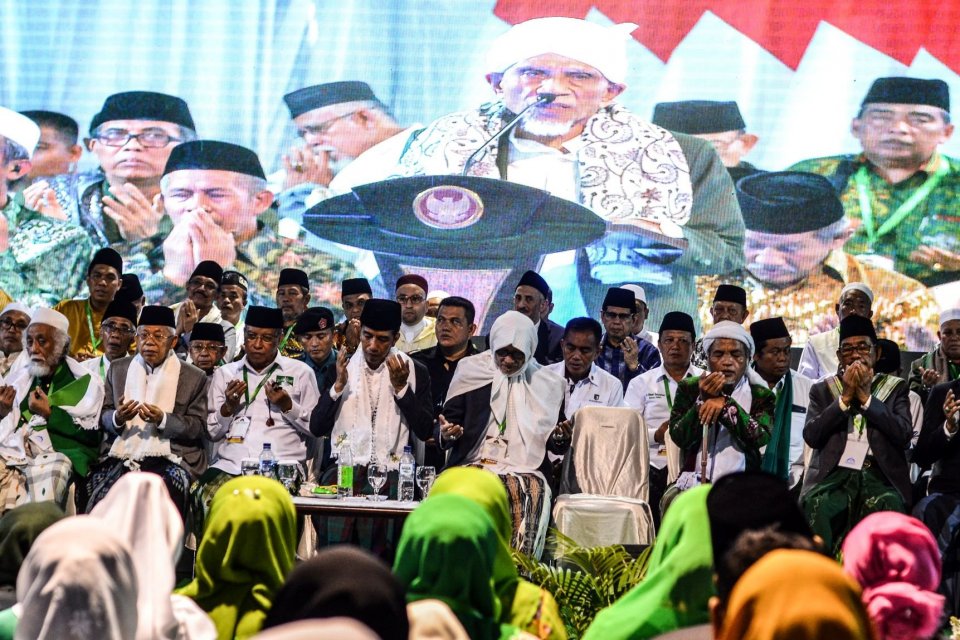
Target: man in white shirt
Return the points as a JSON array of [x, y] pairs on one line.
[[643, 312], [819, 358], [14, 320], [417, 329], [652, 394], [586, 384], [784, 455], [263, 398]]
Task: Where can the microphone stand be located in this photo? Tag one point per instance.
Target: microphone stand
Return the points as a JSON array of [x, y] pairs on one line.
[[542, 98]]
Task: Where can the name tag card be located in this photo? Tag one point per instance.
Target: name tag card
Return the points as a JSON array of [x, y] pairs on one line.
[[494, 450], [855, 453], [238, 430]]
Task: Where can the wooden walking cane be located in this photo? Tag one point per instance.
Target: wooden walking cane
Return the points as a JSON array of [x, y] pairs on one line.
[[703, 453]]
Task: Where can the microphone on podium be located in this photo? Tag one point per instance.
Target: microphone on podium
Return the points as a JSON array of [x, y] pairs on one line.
[[542, 99]]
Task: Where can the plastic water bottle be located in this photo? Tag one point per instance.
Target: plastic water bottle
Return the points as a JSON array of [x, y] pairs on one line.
[[407, 470], [345, 470], [268, 462]]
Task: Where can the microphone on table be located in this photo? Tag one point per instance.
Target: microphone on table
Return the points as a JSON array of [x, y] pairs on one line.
[[542, 99]]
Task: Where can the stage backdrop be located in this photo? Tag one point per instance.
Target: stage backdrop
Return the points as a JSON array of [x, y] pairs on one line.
[[798, 69]]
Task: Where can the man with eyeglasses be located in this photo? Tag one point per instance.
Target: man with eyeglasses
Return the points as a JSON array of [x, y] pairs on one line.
[[85, 315], [354, 293], [900, 191], [208, 347], [719, 123], [652, 394], [623, 355], [117, 205], [202, 289], [217, 198], [42, 261], [349, 138], [14, 320], [784, 455], [858, 425], [293, 296], [156, 407], [417, 329], [117, 331], [796, 265], [264, 397]]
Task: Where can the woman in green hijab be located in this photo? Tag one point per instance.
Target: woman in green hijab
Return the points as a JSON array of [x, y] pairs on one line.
[[522, 604], [447, 552], [679, 581], [247, 550]]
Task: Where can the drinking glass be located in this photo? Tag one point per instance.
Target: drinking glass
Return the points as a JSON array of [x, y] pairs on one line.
[[425, 478], [288, 473], [250, 467], [377, 476]]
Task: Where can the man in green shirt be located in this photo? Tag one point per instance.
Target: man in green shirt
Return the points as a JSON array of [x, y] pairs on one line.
[[42, 260], [900, 192], [51, 406]]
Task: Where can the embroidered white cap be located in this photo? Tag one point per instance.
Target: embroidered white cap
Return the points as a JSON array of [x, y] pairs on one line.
[[638, 292], [17, 306], [438, 295], [43, 315], [20, 129], [602, 47], [949, 314], [857, 286], [732, 331]]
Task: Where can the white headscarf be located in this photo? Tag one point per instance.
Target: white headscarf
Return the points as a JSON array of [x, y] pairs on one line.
[[602, 47], [139, 509], [78, 582], [529, 400]]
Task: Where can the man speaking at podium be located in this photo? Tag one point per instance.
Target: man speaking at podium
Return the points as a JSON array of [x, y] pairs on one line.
[[563, 75]]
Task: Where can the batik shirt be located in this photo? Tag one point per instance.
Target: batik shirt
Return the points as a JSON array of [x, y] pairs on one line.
[[934, 221]]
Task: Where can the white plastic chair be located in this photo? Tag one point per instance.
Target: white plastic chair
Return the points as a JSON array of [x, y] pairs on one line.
[[605, 482]]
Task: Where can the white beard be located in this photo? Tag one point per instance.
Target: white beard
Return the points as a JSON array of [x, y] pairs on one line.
[[39, 369], [544, 128]]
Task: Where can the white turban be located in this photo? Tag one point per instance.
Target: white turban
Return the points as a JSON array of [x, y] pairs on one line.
[[603, 48], [20, 129], [17, 306], [438, 295], [730, 330], [55, 319], [949, 314], [857, 286]]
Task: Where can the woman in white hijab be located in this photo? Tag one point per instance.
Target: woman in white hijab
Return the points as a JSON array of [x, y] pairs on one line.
[[501, 410], [78, 582], [138, 508]]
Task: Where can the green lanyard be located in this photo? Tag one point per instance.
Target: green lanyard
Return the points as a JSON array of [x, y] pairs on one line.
[[953, 371], [286, 337], [666, 391], [103, 370], [94, 340], [862, 180], [256, 392]]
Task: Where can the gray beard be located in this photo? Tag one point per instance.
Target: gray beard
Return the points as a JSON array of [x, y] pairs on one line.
[[39, 369], [544, 128]]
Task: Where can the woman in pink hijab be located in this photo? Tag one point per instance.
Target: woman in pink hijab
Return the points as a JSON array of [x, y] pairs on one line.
[[896, 560]]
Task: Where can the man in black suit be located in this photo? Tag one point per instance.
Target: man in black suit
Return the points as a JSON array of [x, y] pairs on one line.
[[858, 424], [940, 510], [532, 300], [156, 407]]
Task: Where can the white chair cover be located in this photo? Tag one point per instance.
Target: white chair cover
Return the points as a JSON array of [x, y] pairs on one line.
[[605, 482]]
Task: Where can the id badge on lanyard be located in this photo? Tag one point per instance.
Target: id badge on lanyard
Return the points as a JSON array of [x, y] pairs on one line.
[[494, 450], [855, 453], [238, 430]]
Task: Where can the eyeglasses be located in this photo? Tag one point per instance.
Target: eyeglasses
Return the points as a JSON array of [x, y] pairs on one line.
[[155, 337], [8, 324], [201, 284], [148, 139], [861, 349], [610, 315], [404, 300], [117, 330], [323, 127], [199, 347]]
